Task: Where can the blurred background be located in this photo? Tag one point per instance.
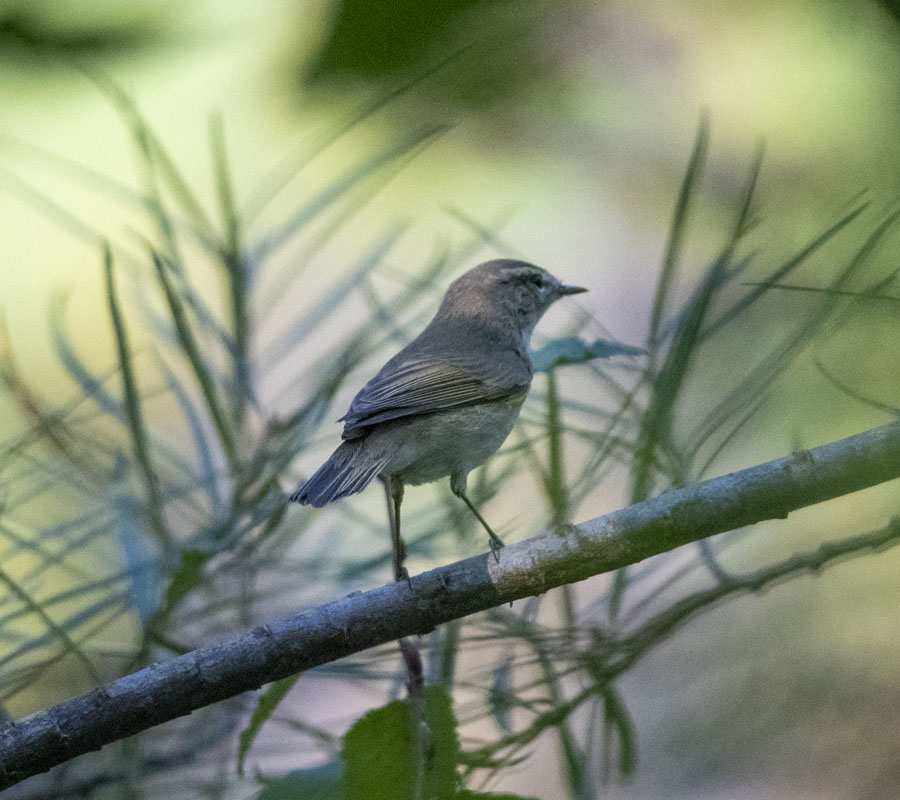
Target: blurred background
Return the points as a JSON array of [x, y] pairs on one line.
[[374, 152]]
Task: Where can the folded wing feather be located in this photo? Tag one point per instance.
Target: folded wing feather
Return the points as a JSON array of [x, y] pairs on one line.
[[426, 384]]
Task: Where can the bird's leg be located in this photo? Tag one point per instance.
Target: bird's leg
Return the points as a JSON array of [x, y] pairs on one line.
[[496, 541], [458, 485], [400, 572], [394, 493]]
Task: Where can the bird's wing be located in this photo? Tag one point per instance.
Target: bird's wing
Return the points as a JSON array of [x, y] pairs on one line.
[[419, 385]]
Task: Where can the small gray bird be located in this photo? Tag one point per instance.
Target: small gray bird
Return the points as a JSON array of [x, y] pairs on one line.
[[446, 401]]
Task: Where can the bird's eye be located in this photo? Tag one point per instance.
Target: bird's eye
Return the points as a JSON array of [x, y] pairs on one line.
[[537, 280]]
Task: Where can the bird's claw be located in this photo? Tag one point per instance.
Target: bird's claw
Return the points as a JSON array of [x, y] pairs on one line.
[[403, 575], [496, 543]]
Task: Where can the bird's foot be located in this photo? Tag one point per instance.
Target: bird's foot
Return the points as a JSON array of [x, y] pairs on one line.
[[496, 543], [402, 574]]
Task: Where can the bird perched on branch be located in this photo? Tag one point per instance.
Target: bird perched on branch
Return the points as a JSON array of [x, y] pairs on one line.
[[446, 401]]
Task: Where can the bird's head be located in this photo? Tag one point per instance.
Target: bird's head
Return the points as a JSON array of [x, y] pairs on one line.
[[505, 291]]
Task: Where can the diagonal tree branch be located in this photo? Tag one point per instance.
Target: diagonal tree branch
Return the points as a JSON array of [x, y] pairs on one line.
[[165, 691], [619, 655]]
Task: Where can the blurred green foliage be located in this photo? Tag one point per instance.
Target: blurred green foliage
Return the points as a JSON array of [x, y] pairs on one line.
[[378, 40], [55, 31], [146, 515], [201, 519]]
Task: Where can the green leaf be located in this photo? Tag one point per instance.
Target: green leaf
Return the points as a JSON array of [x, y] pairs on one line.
[[501, 691], [617, 719], [571, 350], [381, 753], [144, 578], [90, 384], [60, 632], [155, 157], [679, 228], [351, 179], [317, 783], [268, 702], [191, 350], [133, 410], [187, 576], [207, 469]]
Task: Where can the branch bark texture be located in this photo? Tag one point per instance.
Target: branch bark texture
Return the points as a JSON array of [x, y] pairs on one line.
[[317, 636]]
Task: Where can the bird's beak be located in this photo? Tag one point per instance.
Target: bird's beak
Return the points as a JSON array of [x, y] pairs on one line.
[[563, 289]]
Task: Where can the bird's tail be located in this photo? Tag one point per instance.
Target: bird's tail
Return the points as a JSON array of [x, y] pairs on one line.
[[349, 470]]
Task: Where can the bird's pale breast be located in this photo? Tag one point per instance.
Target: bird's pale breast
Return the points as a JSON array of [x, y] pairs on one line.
[[433, 446]]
